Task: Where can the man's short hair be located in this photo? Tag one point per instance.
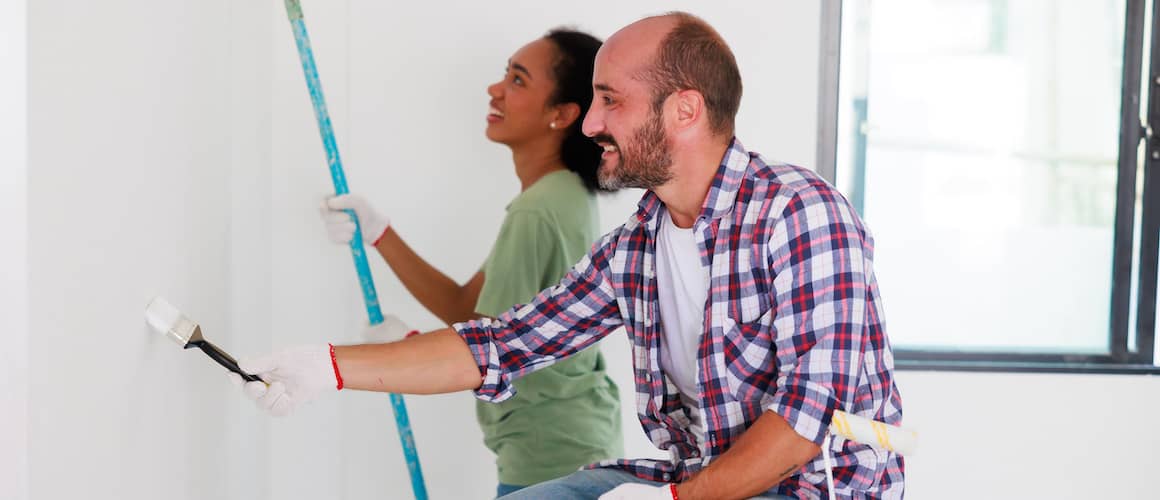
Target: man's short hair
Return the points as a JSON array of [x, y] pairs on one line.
[[693, 56]]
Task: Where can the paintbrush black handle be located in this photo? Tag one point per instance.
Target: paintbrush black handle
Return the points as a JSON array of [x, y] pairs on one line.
[[222, 359]]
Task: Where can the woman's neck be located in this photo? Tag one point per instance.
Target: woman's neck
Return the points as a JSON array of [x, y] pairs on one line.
[[534, 163]]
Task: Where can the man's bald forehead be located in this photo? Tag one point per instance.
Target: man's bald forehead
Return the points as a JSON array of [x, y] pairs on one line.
[[640, 41], [654, 26], [632, 49]]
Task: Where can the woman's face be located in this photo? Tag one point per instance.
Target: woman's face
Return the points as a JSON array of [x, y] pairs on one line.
[[519, 110]]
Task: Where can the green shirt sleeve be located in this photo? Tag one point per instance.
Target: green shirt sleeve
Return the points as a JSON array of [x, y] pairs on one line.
[[521, 257]]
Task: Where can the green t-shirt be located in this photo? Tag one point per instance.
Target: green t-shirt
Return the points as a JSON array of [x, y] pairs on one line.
[[567, 415]]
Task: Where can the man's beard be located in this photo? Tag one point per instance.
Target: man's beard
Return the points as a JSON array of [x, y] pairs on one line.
[[646, 162]]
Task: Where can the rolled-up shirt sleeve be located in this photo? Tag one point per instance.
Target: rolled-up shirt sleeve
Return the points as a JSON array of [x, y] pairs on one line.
[[820, 259], [560, 321]]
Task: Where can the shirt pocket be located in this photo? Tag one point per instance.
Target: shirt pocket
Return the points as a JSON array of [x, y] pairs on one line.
[[744, 310], [751, 370]]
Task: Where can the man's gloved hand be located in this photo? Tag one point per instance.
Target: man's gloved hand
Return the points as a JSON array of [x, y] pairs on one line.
[[390, 330], [637, 491], [340, 227], [295, 376]]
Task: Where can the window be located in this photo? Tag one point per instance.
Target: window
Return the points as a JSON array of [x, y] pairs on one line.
[[998, 151]]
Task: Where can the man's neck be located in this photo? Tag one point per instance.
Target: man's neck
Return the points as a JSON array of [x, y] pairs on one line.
[[693, 171]]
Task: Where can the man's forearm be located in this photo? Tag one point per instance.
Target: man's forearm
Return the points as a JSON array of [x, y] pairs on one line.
[[433, 363], [768, 452]]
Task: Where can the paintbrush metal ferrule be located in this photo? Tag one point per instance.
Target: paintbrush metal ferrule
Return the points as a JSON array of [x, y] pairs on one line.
[[164, 318]]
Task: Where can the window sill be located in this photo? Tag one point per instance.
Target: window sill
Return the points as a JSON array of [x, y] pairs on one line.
[[1025, 367]]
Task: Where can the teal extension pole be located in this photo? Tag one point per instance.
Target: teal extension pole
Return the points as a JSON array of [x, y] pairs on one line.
[[306, 56]]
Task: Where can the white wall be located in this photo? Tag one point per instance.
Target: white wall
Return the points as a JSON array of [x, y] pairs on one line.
[[134, 132], [249, 249], [1014, 436], [13, 250], [172, 150]]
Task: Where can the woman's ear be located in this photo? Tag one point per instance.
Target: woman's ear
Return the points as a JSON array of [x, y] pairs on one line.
[[565, 115]]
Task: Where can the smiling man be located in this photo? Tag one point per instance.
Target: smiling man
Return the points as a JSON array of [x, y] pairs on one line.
[[747, 290]]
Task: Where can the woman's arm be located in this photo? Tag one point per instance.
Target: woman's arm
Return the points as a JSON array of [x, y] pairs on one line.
[[446, 299]]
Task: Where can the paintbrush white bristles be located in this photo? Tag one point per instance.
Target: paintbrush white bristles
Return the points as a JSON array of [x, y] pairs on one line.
[[167, 320]]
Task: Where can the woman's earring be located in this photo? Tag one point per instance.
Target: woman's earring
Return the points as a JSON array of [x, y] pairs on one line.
[[552, 125]]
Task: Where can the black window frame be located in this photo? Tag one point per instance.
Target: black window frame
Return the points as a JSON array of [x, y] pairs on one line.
[[1126, 270]]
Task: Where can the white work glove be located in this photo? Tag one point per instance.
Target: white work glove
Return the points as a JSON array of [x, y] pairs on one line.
[[637, 491], [390, 330], [340, 227], [295, 376]]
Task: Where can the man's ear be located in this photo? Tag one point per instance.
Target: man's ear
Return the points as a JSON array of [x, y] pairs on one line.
[[690, 108]]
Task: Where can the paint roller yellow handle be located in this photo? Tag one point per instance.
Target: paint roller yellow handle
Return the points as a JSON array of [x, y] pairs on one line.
[[874, 433]]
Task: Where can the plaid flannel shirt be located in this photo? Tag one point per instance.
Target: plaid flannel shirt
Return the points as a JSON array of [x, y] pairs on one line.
[[793, 325]]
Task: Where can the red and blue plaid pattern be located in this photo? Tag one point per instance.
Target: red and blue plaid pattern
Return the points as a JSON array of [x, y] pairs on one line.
[[793, 320]]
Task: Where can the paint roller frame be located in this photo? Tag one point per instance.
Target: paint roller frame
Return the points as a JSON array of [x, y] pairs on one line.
[[851, 427]]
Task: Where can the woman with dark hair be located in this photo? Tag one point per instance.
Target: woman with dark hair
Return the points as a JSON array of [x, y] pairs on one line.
[[567, 415]]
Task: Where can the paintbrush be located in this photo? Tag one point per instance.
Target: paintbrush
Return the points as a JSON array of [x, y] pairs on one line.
[[167, 320]]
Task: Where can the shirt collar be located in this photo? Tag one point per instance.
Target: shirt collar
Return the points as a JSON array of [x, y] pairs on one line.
[[722, 193]]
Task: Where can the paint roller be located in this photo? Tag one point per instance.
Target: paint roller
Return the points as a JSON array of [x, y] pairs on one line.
[[362, 268], [169, 321], [874, 433]]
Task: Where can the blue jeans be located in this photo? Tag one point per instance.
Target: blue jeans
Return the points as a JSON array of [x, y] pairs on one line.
[[507, 489], [584, 485]]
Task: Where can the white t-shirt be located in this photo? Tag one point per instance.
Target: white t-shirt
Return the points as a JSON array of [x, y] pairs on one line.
[[682, 288]]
